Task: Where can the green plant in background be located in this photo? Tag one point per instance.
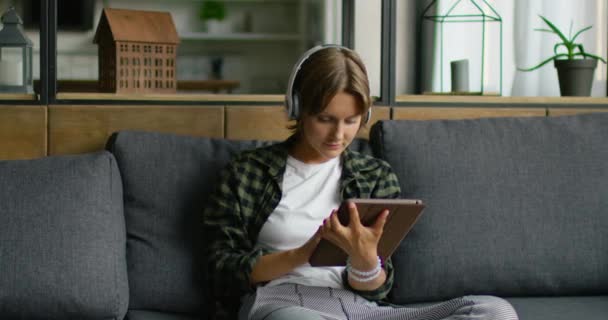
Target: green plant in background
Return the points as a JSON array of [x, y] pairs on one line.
[[573, 49], [212, 10]]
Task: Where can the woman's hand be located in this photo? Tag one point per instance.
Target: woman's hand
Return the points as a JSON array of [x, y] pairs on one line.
[[303, 253], [276, 264], [358, 241]]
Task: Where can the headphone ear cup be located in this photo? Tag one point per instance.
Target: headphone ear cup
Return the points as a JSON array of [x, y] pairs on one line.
[[295, 106], [368, 116]]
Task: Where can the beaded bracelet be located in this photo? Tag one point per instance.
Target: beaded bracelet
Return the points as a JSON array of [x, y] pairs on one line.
[[361, 279], [364, 276]]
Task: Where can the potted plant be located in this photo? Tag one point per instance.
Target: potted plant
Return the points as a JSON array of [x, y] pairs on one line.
[[213, 14], [575, 66]]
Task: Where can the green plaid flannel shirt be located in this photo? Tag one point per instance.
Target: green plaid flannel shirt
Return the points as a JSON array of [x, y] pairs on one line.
[[250, 190]]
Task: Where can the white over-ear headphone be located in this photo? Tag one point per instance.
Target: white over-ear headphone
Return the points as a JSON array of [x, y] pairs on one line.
[[292, 97]]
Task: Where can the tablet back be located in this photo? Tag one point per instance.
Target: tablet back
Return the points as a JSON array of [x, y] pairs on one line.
[[403, 214]]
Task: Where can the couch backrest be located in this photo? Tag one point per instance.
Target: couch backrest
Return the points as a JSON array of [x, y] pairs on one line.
[[62, 239], [515, 206], [167, 179]]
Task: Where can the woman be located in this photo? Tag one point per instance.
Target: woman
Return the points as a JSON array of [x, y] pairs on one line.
[[274, 205]]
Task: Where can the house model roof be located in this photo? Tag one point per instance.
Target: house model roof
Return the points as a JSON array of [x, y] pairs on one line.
[[138, 26]]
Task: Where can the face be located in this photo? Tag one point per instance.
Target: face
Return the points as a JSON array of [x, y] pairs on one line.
[[325, 135]]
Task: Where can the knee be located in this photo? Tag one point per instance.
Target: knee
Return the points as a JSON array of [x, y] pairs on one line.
[[490, 307]]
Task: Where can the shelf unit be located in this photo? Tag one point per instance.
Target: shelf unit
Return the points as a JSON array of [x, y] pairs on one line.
[[242, 36], [260, 42]]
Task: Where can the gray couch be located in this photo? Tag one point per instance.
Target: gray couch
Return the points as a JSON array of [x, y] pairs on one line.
[[517, 208]]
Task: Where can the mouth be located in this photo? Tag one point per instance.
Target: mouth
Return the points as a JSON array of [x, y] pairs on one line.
[[333, 145]]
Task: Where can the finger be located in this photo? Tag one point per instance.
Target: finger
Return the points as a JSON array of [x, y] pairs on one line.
[[327, 222], [318, 232], [313, 242], [381, 220], [323, 228], [354, 220], [335, 222]]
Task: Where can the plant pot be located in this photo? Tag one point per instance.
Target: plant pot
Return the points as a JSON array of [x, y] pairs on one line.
[[575, 76]]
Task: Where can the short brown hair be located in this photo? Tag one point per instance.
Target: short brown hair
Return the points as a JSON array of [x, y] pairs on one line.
[[326, 73]]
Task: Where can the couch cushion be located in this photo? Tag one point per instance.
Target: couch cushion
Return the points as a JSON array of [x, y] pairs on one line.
[[166, 181], [62, 239], [155, 315], [561, 308], [515, 206], [553, 308]]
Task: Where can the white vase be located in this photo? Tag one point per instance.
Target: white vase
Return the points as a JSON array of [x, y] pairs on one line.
[[218, 27]]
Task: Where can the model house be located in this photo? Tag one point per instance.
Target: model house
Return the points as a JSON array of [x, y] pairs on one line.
[[137, 51]]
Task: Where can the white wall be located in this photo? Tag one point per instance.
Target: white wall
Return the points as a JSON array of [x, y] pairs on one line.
[[368, 27], [405, 64]]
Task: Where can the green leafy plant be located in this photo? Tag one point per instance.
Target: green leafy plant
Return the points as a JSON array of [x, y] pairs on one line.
[[212, 10], [573, 49]]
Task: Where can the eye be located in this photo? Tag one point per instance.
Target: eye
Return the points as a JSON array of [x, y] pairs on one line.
[[323, 118], [352, 120]]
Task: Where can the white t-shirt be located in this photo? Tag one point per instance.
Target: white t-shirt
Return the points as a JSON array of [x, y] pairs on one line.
[[310, 193]]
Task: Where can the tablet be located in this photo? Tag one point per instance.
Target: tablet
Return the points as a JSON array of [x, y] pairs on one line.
[[403, 214]]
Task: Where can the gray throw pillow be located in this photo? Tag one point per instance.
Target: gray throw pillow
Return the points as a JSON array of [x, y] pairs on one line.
[[167, 179], [62, 239]]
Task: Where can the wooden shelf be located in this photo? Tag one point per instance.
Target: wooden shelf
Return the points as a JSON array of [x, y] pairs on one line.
[[208, 85], [447, 99], [174, 97], [188, 36], [18, 96], [410, 100], [91, 86]]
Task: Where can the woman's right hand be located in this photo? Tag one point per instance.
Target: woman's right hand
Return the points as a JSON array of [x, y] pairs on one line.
[[276, 264], [304, 252]]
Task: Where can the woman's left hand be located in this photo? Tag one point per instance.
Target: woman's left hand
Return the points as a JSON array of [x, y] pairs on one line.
[[358, 241]]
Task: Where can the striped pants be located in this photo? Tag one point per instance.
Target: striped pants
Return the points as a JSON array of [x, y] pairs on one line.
[[299, 302]]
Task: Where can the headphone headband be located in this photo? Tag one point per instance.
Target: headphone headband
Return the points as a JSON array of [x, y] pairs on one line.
[[292, 97]]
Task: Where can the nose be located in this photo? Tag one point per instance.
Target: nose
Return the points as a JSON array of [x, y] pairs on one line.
[[338, 131]]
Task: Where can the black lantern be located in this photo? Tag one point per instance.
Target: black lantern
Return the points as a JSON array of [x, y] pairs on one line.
[[15, 56]]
